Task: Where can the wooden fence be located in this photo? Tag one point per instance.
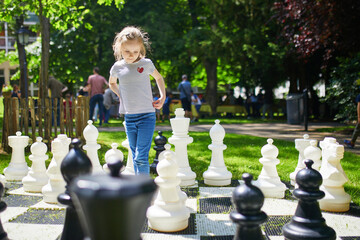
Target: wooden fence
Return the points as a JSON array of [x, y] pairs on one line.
[[46, 118]]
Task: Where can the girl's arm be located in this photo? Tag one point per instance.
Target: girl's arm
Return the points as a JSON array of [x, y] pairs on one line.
[[113, 86], [161, 86]]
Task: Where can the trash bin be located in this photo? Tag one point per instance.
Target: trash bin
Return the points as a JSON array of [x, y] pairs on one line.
[[295, 108]]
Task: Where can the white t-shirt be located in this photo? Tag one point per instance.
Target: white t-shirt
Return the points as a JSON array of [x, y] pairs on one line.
[[134, 85]]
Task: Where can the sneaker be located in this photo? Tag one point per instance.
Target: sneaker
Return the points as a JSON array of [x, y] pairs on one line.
[[349, 144]]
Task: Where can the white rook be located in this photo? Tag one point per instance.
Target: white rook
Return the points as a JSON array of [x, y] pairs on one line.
[[18, 167], [91, 147], [217, 173], [180, 139], [37, 177]]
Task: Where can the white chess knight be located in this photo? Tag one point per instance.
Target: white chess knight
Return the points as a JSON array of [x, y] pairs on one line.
[[129, 169], [269, 180], [56, 183], [113, 152], [18, 167], [217, 173], [169, 213], [91, 147], [36, 177], [300, 145], [334, 177], [180, 139], [314, 153]]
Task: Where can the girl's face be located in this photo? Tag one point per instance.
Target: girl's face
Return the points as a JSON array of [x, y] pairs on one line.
[[130, 51]]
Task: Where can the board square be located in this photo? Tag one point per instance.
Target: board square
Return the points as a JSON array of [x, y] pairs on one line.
[[41, 216], [274, 225], [13, 200], [221, 205]]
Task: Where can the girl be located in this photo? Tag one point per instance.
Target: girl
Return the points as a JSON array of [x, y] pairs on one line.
[[134, 90]]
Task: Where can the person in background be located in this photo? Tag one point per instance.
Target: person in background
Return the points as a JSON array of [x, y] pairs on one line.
[[16, 92], [56, 88], [96, 85], [268, 104], [185, 95], [110, 98], [157, 111], [166, 107], [195, 100], [356, 132]]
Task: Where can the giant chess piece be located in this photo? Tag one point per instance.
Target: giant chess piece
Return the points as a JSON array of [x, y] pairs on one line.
[[160, 142], [91, 147], [248, 200], [169, 213], [334, 177], [217, 173], [3, 234], [56, 183], [112, 206], [180, 139], [18, 167], [314, 153], [129, 169], [269, 180], [308, 223], [75, 164], [300, 145], [113, 152], [37, 177]]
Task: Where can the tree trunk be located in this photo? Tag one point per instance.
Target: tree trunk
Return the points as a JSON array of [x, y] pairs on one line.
[[45, 54], [211, 88], [21, 54]]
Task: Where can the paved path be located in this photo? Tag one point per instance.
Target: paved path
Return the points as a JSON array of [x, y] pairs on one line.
[[281, 131]]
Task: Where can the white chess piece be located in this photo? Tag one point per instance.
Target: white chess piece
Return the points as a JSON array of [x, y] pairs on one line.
[[129, 169], [180, 139], [217, 173], [91, 147], [113, 152], [169, 213], [56, 183], [334, 177], [314, 153], [269, 180], [37, 177], [300, 145], [18, 167]]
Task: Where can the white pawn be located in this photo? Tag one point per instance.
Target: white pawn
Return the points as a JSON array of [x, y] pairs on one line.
[[314, 153], [129, 169], [334, 177], [269, 180], [300, 145], [113, 152], [18, 167], [180, 139], [169, 213], [37, 177], [91, 147], [56, 184], [217, 173]]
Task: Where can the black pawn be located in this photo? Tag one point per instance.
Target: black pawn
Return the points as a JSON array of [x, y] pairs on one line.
[[248, 200], [75, 163], [308, 223], [3, 234], [160, 142]]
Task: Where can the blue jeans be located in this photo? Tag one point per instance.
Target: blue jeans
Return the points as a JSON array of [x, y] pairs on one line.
[[140, 130], [99, 99]]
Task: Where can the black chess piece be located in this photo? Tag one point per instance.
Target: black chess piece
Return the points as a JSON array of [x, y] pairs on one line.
[[112, 206], [308, 223], [248, 200], [160, 142], [75, 163], [3, 234]]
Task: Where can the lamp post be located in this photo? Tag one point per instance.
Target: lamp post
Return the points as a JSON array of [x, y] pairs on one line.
[[23, 36]]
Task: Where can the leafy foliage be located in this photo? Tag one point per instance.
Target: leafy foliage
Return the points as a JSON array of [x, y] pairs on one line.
[[344, 87]]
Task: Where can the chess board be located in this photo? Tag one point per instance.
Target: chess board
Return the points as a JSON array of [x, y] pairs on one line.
[[27, 217]]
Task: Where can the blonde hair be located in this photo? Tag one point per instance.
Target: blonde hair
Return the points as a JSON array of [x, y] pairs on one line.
[[128, 34]]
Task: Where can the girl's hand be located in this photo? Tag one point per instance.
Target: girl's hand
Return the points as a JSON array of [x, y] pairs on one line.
[[158, 103]]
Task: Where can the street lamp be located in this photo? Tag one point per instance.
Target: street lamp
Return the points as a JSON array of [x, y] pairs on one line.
[[23, 36]]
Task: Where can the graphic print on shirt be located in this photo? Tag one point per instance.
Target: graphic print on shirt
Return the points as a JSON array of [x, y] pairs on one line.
[[140, 69]]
